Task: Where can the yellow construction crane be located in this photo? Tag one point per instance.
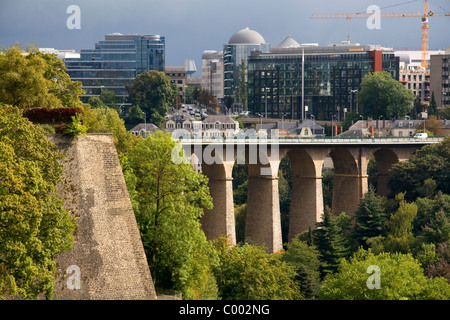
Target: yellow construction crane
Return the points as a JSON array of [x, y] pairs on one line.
[[425, 28]]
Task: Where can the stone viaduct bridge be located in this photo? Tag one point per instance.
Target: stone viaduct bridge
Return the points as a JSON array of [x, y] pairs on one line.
[[263, 226]]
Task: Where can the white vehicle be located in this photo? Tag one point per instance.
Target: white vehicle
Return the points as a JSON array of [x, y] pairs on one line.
[[421, 135]]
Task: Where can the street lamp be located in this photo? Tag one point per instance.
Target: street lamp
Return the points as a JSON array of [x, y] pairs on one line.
[[265, 90], [379, 129], [351, 100], [145, 123], [332, 125], [362, 125]]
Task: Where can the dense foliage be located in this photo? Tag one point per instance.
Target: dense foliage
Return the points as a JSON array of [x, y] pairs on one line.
[[36, 80], [34, 227], [381, 95], [400, 277], [426, 173], [152, 92]]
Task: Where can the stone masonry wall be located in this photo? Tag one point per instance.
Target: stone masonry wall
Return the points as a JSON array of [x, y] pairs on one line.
[[108, 257]]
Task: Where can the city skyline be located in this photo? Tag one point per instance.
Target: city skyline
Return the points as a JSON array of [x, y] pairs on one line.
[[192, 26]]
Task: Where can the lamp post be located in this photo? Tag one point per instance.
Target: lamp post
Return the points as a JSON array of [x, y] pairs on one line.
[[362, 124], [379, 129], [282, 120], [265, 90], [351, 100], [332, 125]]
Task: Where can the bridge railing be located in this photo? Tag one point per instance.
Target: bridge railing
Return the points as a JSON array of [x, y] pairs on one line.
[[312, 140]]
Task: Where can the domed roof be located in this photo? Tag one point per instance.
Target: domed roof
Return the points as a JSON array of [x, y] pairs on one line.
[[246, 36], [289, 42]]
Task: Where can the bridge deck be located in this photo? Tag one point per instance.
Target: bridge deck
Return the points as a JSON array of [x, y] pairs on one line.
[[286, 141]]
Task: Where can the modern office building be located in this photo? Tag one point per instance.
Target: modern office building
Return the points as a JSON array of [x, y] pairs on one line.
[[236, 52], [178, 76], [212, 73], [440, 78], [332, 75], [413, 76], [115, 62]]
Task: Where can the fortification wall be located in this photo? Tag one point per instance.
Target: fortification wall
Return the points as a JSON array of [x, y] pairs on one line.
[[108, 259]]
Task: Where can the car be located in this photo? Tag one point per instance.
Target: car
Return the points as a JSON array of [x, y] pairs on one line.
[[421, 135]]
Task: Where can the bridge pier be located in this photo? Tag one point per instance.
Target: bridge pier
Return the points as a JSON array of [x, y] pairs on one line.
[[306, 195], [263, 223], [219, 221]]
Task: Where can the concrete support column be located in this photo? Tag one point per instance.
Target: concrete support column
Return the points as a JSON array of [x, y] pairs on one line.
[[263, 223], [306, 204], [219, 221], [348, 189], [306, 194]]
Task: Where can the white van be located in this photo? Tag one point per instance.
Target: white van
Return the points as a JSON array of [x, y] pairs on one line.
[[421, 135]]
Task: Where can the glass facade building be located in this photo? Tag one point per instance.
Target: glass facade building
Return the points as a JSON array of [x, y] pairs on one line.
[[238, 49], [332, 76], [115, 62]]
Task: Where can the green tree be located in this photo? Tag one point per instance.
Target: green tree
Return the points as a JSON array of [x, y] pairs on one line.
[[381, 95], [327, 187], [400, 275], [330, 243], [430, 162], [400, 237], [445, 112], [427, 209], [304, 259], [169, 201], [249, 273], [108, 97], [432, 108], [370, 218], [152, 92], [240, 213], [34, 79], [438, 229], [242, 92], [107, 120], [35, 228]]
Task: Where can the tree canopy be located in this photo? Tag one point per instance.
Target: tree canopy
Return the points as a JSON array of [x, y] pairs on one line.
[[34, 227], [152, 92], [34, 80], [400, 278], [430, 162], [247, 272], [381, 95], [168, 202]]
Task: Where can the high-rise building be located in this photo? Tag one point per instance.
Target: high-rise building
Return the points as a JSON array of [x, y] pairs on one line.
[[115, 62], [332, 75], [413, 76], [212, 73], [440, 78], [236, 52]]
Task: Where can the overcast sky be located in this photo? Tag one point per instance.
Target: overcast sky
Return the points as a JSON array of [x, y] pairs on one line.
[[192, 26]]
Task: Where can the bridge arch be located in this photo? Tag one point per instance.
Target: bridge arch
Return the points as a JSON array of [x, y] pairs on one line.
[[385, 158], [306, 207], [347, 183]]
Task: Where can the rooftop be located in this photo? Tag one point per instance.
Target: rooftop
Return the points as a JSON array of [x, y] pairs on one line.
[[246, 36]]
